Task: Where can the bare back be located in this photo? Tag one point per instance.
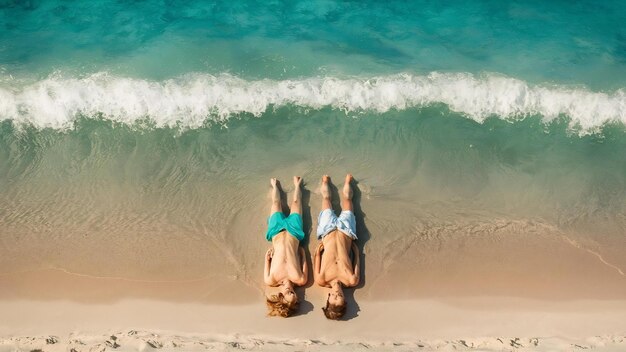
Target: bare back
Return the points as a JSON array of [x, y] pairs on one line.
[[286, 260], [336, 263]]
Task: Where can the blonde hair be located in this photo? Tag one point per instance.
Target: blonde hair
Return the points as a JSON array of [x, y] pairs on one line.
[[279, 307]]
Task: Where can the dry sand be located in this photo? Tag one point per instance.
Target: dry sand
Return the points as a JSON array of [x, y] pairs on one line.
[[486, 323]]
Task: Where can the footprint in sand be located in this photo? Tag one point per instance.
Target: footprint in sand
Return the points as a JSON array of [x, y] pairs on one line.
[[154, 344], [51, 340], [113, 343]]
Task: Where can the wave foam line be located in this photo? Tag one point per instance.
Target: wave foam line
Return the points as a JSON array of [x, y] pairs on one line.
[[192, 99]]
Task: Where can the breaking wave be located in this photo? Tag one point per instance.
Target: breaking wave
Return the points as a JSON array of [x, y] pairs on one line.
[[190, 100]]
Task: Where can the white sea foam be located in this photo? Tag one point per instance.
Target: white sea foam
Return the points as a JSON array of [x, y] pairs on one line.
[[192, 99]]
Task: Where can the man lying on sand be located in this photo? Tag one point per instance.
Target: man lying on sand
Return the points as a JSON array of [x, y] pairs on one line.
[[285, 265], [333, 266]]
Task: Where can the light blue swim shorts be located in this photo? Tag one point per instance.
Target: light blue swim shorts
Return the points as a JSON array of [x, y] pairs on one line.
[[328, 221]]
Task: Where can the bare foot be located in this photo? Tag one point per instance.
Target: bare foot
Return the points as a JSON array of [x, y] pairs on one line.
[[324, 188], [347, 189], [274, 182], [297, 181]]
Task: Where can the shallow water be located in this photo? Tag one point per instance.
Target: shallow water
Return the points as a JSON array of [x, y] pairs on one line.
[[158, 204]]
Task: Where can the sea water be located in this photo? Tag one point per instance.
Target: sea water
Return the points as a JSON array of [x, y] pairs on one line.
[[137, 138]]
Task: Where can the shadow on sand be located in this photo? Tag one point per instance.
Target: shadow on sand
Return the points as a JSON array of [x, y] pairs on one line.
[[307, 224]]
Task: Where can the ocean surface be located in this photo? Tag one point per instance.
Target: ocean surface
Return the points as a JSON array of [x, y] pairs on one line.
[[137, 138]]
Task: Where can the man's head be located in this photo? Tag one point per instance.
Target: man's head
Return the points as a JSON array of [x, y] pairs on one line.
[[335, 304], [284, 304]]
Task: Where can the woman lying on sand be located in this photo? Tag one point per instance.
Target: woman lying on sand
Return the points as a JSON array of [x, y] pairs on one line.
[[333, 265], [285, 265]]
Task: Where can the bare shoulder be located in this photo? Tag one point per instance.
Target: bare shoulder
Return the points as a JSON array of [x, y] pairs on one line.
[[271, 281], [320, 279], [352, 281], [301, 280]]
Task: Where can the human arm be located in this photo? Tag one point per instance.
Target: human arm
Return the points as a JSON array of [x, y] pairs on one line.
[[356, 275], [305, 268], [267, 278], [317, 275]]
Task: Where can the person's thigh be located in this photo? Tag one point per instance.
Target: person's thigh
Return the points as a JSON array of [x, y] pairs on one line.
[[348, 222], [326, 222]]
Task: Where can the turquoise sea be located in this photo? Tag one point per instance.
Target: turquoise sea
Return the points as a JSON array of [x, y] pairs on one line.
[[137, 138]]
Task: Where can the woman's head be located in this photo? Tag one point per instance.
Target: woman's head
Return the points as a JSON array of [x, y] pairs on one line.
[[283, 304]]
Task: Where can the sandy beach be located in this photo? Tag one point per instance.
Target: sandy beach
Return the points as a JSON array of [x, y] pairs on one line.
[[503, 292], [483, 324], [435, 276], [433, 279], [487, 141]]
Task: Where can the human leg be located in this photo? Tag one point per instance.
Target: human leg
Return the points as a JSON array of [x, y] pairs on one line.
[[296, 203], [276, 204], [325, 191], [346, 201]]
